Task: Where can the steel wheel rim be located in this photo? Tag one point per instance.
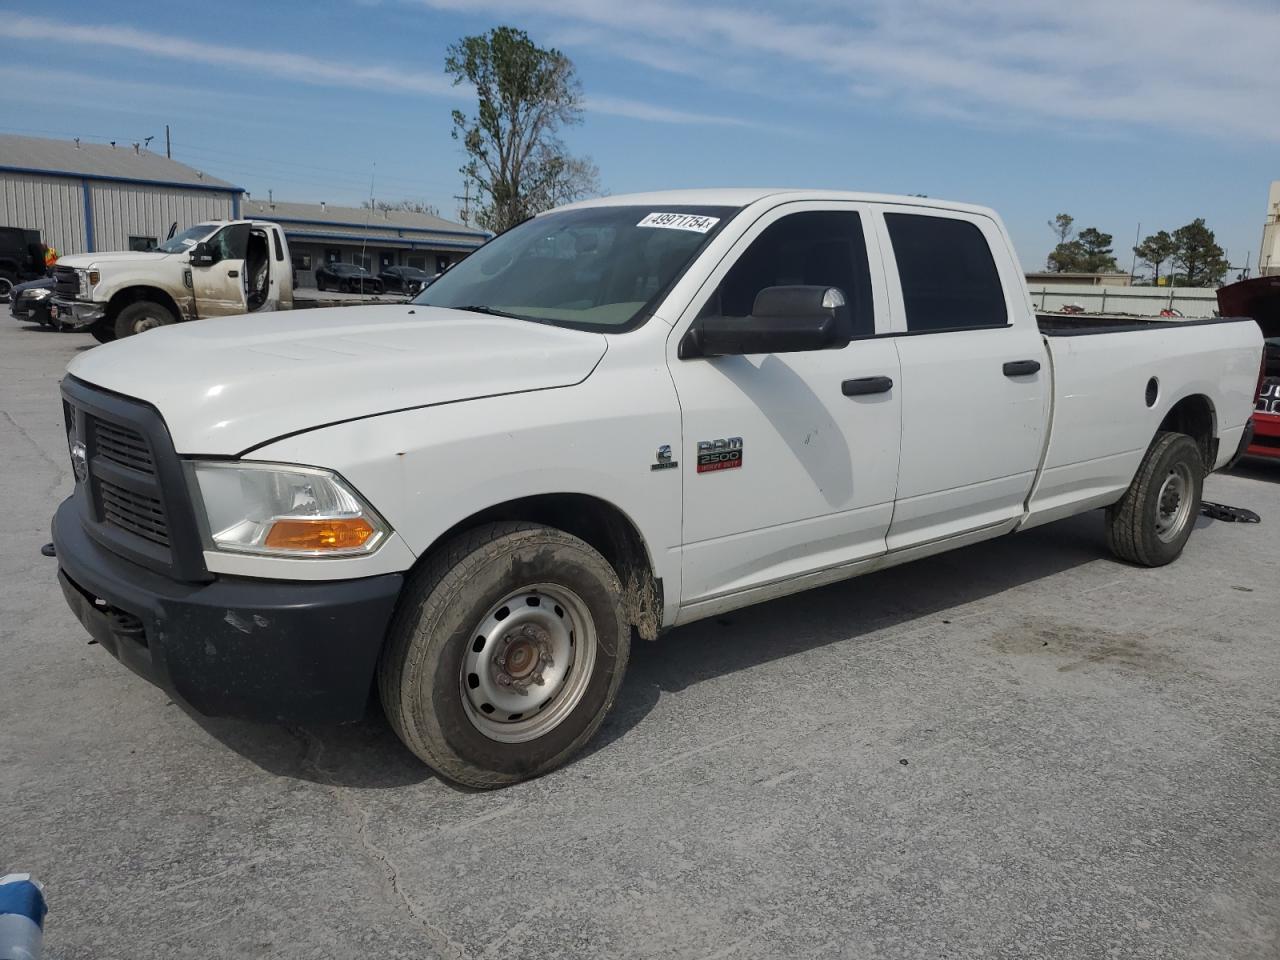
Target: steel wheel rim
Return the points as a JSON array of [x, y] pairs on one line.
[[1173, 502], [147, 322], [528, 663]]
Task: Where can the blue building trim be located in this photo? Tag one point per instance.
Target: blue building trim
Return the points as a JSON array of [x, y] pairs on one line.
[[88, 215], [103, 178], [479, 236], [235, 206], [373, 242]]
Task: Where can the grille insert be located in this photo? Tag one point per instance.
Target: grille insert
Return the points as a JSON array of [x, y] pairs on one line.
[[124, 446], [135, 512]]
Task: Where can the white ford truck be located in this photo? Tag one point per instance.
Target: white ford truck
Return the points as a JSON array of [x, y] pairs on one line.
[[615, 418], [218, 269]]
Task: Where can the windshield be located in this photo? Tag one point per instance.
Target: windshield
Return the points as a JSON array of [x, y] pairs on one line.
[[595, 268], [187, 239]]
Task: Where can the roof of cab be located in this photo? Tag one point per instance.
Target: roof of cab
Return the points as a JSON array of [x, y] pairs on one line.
[[743, 196]]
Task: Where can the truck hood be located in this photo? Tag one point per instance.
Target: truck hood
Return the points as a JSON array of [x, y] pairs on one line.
[[83, 260], [226, 385]]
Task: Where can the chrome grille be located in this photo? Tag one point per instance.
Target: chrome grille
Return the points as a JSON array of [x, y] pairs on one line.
[[124, 446], [139, 514]]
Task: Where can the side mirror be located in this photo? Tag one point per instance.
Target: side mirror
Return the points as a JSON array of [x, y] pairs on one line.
[[788, 319], [202, 255]]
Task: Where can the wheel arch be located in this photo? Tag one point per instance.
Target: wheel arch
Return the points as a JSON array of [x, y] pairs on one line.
[[599, 523], [1195, 416], [132, 294]]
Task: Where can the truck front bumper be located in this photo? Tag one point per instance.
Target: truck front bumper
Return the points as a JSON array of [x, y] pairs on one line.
[[76, 313], [299, 651]]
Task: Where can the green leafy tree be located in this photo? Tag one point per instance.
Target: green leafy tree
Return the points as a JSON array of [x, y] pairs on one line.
[[1156, 250], [1199, 259], [1067, 257], [1098, 256], [1061, 226], [524, 94]]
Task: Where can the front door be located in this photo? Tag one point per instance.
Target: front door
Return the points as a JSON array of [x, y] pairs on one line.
[[783, 473], [975, 375], [220, 287]]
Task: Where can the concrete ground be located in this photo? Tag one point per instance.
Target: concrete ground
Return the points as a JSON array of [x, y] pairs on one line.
[[1022, 749]]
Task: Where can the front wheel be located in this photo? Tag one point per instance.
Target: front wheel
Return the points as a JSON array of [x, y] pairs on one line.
[[104, 331], [505, 654], [140, 317], [1151, 523]]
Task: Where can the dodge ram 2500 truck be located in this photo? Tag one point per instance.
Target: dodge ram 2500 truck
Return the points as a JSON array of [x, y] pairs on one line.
[[620, 416], [217, 269]]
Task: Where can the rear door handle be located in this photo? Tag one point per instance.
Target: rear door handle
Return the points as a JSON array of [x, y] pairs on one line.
[[1021, 368], [865, 385]]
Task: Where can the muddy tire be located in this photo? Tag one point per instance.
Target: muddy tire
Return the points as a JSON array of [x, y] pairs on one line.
[[104, 331], [1150, 524], [141, 316], [505, 653]]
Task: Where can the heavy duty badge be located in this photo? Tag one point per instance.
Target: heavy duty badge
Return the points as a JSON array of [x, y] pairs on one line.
[[719, 454], [662, 459]]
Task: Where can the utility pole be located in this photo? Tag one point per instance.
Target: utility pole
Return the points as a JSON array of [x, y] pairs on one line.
[[465, 197], [1133, 267], [168, 149]]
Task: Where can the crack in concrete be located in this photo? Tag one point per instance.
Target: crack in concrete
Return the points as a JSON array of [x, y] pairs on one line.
[[313, 751]]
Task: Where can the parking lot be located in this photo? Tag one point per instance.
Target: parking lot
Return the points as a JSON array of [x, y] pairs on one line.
[[1020, 749]]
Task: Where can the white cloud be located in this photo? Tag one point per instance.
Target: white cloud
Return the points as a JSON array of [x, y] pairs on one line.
[[306, 69], [291, 66], [1204, 66]]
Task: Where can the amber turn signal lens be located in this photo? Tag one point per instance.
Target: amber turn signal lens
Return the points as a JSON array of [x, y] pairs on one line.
[[319, 534]]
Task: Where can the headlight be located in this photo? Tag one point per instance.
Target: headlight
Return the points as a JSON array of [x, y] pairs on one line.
[[88, 279], [282, 510]]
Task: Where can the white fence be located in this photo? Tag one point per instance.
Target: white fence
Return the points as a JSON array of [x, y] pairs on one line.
[[1142, 301]]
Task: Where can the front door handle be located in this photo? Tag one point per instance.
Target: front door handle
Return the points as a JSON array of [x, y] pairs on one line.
[[233, 273], [865, 385], [1021, 368]]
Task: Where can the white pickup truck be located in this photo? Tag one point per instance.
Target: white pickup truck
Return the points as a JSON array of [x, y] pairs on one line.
[[618, 417], [217, 269]]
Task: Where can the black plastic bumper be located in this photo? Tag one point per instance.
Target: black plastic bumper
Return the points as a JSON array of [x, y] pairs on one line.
[[259, 649]]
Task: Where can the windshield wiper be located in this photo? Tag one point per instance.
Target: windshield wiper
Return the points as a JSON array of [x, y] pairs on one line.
[[490, 311]]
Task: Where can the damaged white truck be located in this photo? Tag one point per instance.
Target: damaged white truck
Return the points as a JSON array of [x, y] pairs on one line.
[[617, 417], [221, 268]]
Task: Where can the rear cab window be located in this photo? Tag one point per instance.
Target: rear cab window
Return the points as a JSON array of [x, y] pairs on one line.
[[948, 274]]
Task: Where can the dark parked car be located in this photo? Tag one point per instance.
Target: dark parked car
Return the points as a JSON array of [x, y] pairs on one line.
[[21, 257], [406, 279], [347, 278], [30, 302]]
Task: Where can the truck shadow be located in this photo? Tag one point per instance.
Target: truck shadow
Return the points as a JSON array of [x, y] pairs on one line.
[[368, 754], [1257, 468]]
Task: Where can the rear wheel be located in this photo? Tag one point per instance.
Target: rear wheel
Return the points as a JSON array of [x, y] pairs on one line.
[[319, 284], [141, 316], [1151, 523], [506, 653]]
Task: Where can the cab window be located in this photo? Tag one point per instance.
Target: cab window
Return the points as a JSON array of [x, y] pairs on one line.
[[230, 243]]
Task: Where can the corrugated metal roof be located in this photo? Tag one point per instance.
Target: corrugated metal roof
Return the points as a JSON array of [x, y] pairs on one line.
[[100, 160], [327, 215]]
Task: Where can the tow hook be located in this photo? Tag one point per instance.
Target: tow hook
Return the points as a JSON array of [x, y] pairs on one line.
[[48, 550]]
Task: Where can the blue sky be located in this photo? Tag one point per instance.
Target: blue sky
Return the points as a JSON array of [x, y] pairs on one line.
[[1116, 111]]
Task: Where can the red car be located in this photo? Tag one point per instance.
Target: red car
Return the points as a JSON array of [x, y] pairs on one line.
[[1260, 298]]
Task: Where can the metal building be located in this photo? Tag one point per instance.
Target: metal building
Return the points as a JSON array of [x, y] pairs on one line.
[[320, 233], [86, 197]]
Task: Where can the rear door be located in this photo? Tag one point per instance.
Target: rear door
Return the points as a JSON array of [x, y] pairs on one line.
[[219, 287], [783, 473], [975, 377]]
